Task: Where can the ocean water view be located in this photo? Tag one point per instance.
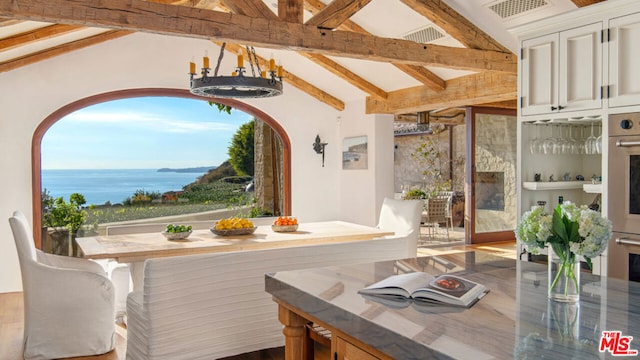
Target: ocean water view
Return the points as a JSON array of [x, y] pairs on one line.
[[114, 185]]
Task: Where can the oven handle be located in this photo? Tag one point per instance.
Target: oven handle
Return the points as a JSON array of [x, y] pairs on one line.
[[625, 241], [621, 143]]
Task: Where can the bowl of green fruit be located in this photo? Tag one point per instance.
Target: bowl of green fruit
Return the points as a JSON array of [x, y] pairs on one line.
[[177, 232]]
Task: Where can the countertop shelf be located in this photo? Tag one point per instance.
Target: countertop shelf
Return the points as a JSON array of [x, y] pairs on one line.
[[554, 185], [592, 188]]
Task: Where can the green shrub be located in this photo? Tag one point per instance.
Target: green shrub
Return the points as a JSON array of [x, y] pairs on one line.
[[414, 194]]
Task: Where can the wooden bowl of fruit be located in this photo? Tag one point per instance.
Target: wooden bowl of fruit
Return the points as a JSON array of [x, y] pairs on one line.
[[285, 224], [177, 232], [233, 227]]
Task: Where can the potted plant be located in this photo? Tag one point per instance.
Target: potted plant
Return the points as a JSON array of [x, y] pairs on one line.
[[62, 222]]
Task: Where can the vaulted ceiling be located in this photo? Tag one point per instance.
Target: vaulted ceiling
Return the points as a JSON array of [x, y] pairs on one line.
[[403, 56]]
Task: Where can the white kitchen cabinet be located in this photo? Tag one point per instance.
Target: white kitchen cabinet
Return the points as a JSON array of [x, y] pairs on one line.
[[624, 52], [562, 71]]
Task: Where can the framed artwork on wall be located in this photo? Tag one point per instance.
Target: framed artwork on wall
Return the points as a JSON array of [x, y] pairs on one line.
[[354, 153]]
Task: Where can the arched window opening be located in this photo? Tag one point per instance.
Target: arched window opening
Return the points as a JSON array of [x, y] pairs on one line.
[[178, 191]]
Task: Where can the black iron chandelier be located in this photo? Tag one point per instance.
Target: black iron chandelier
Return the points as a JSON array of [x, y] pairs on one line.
[[264, 83]]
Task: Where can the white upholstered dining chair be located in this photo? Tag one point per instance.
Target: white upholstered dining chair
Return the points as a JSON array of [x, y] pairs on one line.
[[403, 218], [68, 302]]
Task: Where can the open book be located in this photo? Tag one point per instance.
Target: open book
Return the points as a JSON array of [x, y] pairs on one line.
[[423, 287]]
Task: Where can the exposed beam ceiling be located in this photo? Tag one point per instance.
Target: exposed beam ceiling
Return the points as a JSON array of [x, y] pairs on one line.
[[136, 15], [472, 89], [328, 32], [420, 73], [336, 13], [454, 24], [61, 49]]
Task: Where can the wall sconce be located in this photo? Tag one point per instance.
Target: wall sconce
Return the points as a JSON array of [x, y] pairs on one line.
[[318, 146]]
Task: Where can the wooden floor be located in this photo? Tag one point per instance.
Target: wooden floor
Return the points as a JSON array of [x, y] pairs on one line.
[[12, 322]]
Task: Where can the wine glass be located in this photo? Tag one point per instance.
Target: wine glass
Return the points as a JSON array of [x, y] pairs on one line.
[[574, 143], [534, 144], [589, 144], [598, 142], [547, 144]]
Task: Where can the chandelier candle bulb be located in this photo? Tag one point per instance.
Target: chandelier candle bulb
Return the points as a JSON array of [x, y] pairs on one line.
[[205, 61], [280, 71], [240, 59], [264, 73], [192, 67], [272, 64], [234, 73]]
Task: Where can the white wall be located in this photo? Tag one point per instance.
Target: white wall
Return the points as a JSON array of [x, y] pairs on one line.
[[31, 93], [363, 190]]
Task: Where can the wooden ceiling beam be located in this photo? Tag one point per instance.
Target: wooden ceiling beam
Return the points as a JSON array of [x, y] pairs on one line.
[[8, 22], [294, 80], [144, 16], [509, 104], [420, 73], [346, 75], [455, 24], [61, 49], [32, 36], [336, 13], [479, 88], [253, 8], [291, 11], [582, 3], [423, 75]]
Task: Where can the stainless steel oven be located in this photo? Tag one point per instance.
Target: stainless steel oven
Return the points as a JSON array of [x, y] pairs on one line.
[[623, 205]]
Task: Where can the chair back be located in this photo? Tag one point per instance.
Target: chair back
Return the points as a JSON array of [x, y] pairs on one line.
[[403, 218], [23, 238], [437, 209]]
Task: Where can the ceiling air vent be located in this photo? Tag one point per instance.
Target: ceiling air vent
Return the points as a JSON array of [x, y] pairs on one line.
[[424, 35], [509, 8]]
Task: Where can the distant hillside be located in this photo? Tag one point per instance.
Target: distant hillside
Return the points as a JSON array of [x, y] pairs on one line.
[[223, 171], [200, 169]]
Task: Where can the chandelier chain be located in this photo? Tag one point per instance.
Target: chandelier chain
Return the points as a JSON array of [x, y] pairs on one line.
[[215, 72], [253, 71]]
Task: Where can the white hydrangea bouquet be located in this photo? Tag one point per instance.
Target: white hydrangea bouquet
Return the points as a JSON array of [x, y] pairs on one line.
[[569, 231]]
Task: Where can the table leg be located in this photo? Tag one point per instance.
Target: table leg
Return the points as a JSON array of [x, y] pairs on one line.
[[294, 333]]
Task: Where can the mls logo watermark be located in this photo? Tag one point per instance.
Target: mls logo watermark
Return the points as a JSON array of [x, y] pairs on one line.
[[617, 344]]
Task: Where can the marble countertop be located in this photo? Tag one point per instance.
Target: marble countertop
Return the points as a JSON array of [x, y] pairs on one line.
[[514, 320]]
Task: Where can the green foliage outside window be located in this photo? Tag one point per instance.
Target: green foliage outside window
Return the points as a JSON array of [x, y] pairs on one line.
[[241, 149]]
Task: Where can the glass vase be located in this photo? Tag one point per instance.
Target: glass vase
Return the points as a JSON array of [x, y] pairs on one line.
[[564, 276]]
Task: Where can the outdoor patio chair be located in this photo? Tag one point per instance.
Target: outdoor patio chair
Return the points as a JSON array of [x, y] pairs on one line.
[[437, 210], [68, 302]]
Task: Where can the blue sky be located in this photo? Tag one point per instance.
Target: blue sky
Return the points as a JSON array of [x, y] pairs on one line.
[[140, 133]]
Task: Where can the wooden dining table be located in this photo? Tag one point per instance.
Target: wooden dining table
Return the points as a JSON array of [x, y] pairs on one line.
[[135, 248]]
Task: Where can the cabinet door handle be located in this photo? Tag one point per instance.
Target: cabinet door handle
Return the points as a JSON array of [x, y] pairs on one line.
[[560, 107], [625, 241], [621, 143], [553, 108]]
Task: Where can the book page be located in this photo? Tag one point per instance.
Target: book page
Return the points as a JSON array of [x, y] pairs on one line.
[[451, 289], [403, 284]]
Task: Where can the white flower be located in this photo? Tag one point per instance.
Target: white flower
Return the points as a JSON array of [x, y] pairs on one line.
[[536, 230]]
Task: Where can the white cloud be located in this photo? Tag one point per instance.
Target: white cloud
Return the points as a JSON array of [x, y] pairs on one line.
[[150, 121]]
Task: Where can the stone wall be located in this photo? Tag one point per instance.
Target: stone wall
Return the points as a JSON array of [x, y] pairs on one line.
[[409, 169], [268, 169], [496, 156]]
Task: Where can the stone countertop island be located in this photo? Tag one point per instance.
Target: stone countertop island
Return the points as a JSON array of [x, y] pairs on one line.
[[515, 320]]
